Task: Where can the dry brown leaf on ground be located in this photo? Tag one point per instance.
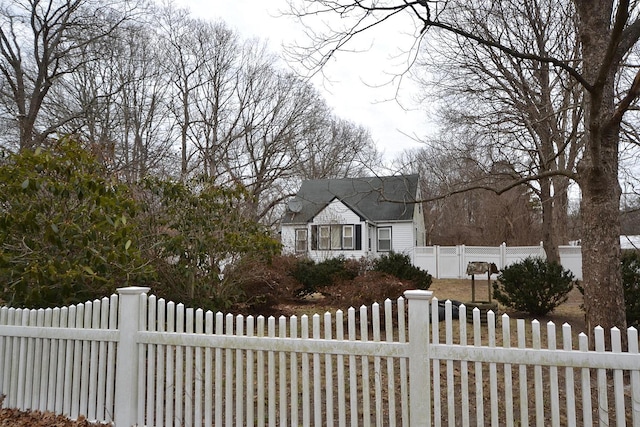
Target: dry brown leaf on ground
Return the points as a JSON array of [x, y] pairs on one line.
[[18, 418]]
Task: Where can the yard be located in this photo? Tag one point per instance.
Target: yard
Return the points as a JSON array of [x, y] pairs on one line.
[[343, 295], [461, 290], [569, 312]]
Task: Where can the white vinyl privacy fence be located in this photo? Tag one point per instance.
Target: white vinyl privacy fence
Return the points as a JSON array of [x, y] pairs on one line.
[[137, 360], [450, 262]]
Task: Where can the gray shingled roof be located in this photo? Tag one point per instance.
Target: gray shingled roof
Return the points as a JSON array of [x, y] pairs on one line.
[[389, 198]]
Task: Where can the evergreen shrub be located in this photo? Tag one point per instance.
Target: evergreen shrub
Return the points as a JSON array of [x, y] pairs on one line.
[[400, 266], [313, 275], [631, 285], [533, 286]]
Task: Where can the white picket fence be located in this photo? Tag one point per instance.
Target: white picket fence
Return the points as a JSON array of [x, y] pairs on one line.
[[450, 262], [137, 360]]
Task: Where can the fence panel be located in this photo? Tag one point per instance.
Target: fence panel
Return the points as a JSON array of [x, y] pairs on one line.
[[522, 379], [193, 368], [426, 258], [450, 262], [50, 359], [284, 365], [571, 259], [483, 253], [515, 254]]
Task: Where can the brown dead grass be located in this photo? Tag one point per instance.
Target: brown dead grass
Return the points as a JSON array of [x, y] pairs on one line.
[[460, 289], [376, 287]]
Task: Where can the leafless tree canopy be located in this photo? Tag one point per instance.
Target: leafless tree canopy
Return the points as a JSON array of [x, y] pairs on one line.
[[475, 217], [151, 90], [40, 44]]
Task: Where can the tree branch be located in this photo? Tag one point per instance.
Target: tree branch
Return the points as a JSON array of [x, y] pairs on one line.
[[340, 39]]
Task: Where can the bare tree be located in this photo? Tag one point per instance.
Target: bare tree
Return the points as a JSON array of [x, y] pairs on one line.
[[606, 32], [219, 101], [40, 42], [337, 148], [527, 113], [140, 91], [185, 41], [274, 118], [123, 94], [146, 143], [240, 119], [475, 217]]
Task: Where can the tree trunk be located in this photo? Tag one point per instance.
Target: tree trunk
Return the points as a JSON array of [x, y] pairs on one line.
[[598, 173], [561, 209], [549, 242], [600, 211], [603, 292], [184, 167], [26, 133]]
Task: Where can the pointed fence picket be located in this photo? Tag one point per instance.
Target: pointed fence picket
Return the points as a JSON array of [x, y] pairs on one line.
[[138, 359]]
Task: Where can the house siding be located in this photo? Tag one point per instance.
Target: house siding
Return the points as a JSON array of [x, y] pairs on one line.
[[336, 212], [402, 240], [420, 231], [288, 237], [402, 236]]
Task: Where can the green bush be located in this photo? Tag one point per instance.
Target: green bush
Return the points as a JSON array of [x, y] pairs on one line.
[[67, 230], [533, 286], [313, 275], [400, 266], [631, 284]]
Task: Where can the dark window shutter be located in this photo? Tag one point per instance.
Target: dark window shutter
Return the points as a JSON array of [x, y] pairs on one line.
[[358, 237], [314, 237]]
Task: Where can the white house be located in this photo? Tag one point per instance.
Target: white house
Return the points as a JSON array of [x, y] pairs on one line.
[[354, 217]]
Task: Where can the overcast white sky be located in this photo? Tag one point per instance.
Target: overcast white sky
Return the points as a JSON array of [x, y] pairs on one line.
[[356, 89]]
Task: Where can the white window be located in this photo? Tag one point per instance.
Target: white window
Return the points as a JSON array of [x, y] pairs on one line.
[[384, 239], [324, 237], [301, 240], [336, 237], [347, 237]]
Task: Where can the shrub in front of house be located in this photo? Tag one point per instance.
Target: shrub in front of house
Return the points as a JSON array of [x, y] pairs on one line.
[[631, 285], [533, 286], [314, 276], [400, 266]]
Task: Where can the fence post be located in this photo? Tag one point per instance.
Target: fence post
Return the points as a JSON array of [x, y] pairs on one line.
[[126, 389], [419, 358]]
